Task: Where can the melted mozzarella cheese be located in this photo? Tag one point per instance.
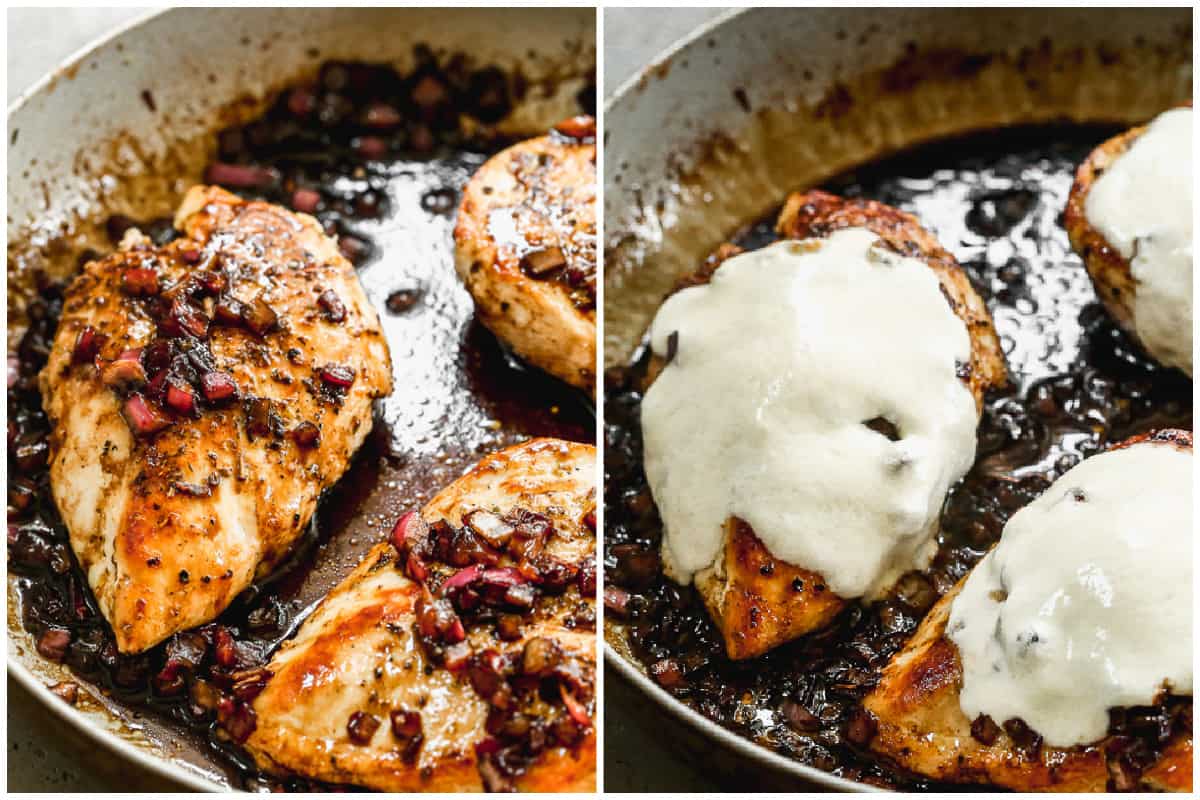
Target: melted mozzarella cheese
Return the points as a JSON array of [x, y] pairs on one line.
[[1143, 206], [777, 364], [1086, 602]]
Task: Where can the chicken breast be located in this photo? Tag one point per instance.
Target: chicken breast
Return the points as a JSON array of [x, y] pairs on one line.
[[922, 728], [201, 396], [1111, 271], [418, 675], [526, 249], [757, 601]]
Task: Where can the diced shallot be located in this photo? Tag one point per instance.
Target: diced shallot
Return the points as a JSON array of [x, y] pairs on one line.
[[361, 727], [381, 115], [240, 176], [124, 373], [143, 418], [491, 527], [462, 579], [180, 398], [306, 434], [574, 707], [580, 128], [339, 376], [259, 317], [409, 529], [458, 655], [87, 345], [217, 386], [332, 305], [306, 200], [52, 644], [139, 282]]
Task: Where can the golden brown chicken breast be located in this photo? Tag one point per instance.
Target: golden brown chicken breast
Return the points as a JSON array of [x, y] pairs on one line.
[[1111, 271], [460, 654], [526, 249], [201, 396], [920, 724], [758, 601]]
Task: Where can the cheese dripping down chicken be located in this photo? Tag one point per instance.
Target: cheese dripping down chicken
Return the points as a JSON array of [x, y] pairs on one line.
[[1085, 603], [1062, 662], [809, 404], [811, 391]]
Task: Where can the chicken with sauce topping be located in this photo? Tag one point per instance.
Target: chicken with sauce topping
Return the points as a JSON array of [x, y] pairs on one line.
[[202, 395], [757, 600], [460, 654], [526, 249]]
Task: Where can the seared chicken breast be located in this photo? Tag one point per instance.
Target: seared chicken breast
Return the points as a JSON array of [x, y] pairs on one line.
[[201, 396], [1112, 272], [460, 654], [757, 601], [526, 249], [922, 727]]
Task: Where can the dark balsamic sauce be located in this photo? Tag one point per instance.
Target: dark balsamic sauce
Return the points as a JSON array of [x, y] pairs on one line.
[[459, 394], [1078, 384]]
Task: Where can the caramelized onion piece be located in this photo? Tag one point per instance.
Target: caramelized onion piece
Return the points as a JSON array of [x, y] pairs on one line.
[[139, 282], [259, 317], [332, 305], [180, 398], [240, 176], [581, 128], [338, 376], [540, 262], [143, 419], [306, 434], [361, 727], [217, 386], [87, 345], [125, 373]]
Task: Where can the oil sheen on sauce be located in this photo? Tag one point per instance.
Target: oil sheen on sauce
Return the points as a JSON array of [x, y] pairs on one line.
[[775, 367], [1085, 604], [1143, 206]]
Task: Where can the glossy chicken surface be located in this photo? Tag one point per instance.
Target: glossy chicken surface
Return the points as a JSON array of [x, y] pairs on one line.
[[526, 249], [201, 395], [757, 601], [921, 726], [459, 655]]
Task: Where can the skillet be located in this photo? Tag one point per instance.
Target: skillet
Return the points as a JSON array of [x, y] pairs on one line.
[[703, 143]]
